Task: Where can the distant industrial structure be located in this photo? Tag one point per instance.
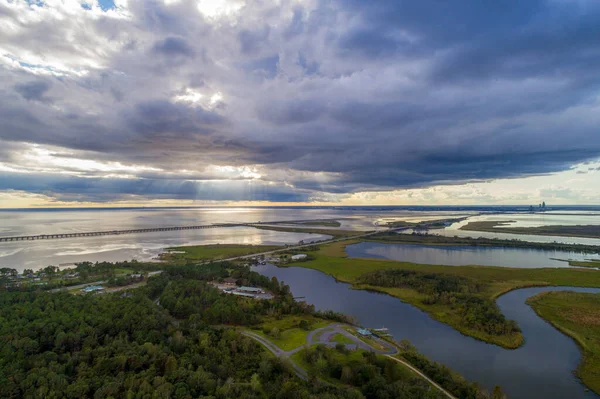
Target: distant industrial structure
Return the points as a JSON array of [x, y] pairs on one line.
[[540, 208]]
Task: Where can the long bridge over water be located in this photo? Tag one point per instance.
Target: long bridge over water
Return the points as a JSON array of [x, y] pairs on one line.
[[137, 231], [116, 232]]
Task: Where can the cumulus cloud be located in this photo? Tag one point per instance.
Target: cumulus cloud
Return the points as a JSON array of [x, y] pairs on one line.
[[315, 99]]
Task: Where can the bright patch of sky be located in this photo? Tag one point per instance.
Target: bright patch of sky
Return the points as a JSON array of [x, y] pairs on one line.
[[219, 8]]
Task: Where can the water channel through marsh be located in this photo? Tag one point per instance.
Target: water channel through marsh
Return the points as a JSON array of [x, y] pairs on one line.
[[541, 368]]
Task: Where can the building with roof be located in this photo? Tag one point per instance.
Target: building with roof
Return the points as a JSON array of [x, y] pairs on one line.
[[92, 288], [299, 256], [364, 333], [230, 281]]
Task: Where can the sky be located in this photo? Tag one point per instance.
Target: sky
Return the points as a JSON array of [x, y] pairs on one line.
[[274, 102]]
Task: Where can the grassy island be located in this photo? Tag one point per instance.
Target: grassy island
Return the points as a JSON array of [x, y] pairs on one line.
[[198, 253], [578, 316], [585, 263], [461, 296], [585, 231]]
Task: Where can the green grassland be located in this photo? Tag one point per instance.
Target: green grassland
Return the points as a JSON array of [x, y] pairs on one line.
[[589, 231], [289, 334], [330, 259], [341, 339], [351, 357], [578, 263], [198, 253], [578, 316]]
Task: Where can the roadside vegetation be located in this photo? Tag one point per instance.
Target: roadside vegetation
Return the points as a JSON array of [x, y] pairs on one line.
[[433, 239], [461, 296], [375, 376], [289, 332], [379, 376], [444, 376], [341, 338], [578, 316], [203, 253], [589, 231]]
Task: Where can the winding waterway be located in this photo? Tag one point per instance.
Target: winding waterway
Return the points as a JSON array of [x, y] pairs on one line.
[[541, 368]]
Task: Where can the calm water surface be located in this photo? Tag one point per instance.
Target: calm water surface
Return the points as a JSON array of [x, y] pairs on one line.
[[37, 254], [465, 255], [541, 368], [527, 220]]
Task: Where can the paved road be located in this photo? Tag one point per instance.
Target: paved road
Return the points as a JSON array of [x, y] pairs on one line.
[[81, 286], [323, 337], [331, 330], [280, 353], [415, 370], [325, 334]]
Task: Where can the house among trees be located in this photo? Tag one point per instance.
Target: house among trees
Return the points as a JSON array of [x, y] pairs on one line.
[[92, 288], [230, 281]]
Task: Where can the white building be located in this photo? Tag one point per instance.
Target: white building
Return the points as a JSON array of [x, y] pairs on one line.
[[299, 257]]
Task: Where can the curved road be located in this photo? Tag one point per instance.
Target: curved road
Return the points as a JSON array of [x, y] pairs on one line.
[[324, 334]]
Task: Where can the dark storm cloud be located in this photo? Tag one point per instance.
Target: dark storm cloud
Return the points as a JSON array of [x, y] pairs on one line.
[[174, 46], [372, 42], [33, 91], [438, 23], [337, 96], [164, 117], [71, 188], [292, 112]]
